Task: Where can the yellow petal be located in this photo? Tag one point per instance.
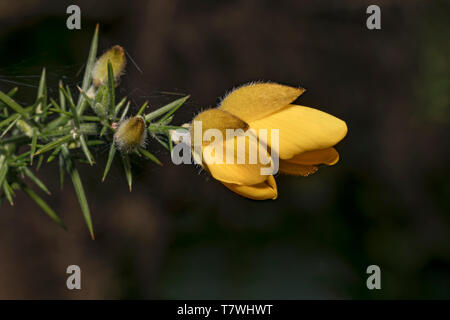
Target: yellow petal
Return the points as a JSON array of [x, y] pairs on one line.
[[327, 156], [261, 191], [301, 129], [255, 101], [296, 169], [244, 162]]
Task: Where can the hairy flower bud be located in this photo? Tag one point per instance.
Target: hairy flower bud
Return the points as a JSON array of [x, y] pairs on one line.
[[116, 56], [130, 134]]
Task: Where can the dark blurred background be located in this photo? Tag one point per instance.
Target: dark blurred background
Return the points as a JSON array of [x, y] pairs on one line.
[[180, 234]]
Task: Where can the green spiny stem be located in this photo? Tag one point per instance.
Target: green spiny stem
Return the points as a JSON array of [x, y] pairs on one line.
[[62, 127]]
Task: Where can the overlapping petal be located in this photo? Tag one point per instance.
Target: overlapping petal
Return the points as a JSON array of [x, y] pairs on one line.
[[261, 191], [256, 101], [327, 156], [244, 160], [296, 169], [306, 163], [216, 119], [302, 129]]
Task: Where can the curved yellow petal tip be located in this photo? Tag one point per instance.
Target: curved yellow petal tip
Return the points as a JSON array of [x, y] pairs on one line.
[[302, 129], [297, 169], [262, 191], [257, 100], [327, 156]]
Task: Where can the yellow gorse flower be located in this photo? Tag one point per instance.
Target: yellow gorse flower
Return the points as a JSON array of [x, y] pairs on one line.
[[306, 136]]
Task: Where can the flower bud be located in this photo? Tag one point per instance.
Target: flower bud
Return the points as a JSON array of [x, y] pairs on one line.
[[116, 56], [130, 134]]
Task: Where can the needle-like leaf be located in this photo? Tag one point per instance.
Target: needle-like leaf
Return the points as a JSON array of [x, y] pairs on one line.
[[3, 168], [127, 167], [8, 192], [53, 155], [79, 190], [33, 144], [142, 108], [10, 126], [167, 109], [44, 206], [13, 105], [87, 79], [119, 106], [81, 138], [111, 94], [41, 97], [150, 156], [36, 180], [112, 152], [54, 144]]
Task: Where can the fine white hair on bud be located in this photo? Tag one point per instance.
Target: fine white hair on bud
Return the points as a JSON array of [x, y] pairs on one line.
[[130, 134]]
